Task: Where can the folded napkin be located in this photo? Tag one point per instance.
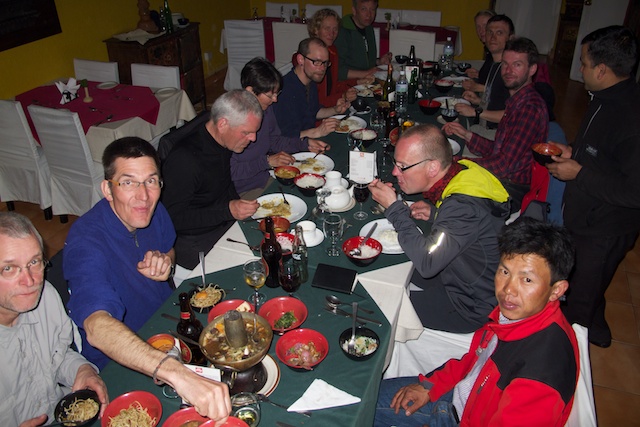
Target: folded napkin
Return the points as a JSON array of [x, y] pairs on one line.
[[137, 35], [321, 395], [68, 90]]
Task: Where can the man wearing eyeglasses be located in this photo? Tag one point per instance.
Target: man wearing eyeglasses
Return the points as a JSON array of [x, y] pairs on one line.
[[117, 260], [467, 207], [38, 365], [298, 106]]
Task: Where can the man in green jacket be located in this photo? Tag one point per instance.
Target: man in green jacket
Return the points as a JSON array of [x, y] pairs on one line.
[[356, 42]]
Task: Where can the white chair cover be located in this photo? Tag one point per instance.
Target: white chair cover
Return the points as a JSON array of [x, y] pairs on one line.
[[422, 17], [310, 9], [96, 71], [275, 10], [75, 177], [286, 37], [155, 76], [245, 41], [24, 171], [400, 42]]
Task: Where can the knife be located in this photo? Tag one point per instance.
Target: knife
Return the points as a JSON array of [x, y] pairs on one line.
[[282, 424], [359, 318]]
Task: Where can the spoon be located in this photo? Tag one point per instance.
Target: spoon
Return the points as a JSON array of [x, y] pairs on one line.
[[253, 248], [351, 344], [358, 251], [204, 281], [334, 301]]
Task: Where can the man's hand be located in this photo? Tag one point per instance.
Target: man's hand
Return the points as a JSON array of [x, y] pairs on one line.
[[383, 193], [86, 377], [472, 97], [367, 80], [567, 150], [350, 94], [326, 127], [385, 59], [413, 394], [280, 159], [155, 266], [472, 73], [341, 106], [243, 209], [473, 86], [34, 422], [458, 130], [465, 110], [564, 169], [420, 210], [318, 146]]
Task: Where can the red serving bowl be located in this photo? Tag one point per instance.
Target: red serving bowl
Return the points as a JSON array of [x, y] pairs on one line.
[[224, 306], [231, 422], [280, 225], [183, 416], [273, 309], [299, 337], [542, 152], [353, 243], [146, 400], [394, 136], [285, 240], [429, 106]]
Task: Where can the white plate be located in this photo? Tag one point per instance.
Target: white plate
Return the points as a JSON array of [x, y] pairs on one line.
[[455, 147], [298, 206], [107, 85], [166, 91], [325, 160], [452, 101], [354, 123], [348, 207], [457, 81], [442, 121], [365, 91], [366, 111], [383, 225], [315, 240], [273, 375]]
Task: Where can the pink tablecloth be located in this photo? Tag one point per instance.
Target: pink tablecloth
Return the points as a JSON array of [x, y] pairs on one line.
[[121, 102]]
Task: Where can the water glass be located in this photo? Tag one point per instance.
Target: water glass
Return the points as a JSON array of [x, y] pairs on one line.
[[333, 226], [246, 407]]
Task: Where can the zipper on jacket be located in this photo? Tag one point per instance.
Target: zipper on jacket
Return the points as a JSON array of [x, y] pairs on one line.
[[483, 383], [135, 238]]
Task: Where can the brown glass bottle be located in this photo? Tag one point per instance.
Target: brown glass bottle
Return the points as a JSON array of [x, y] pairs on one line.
[[271, 253], [190, 327], [389, 85]]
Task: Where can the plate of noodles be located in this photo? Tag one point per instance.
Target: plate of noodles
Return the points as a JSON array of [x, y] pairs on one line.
[[136, 408], [81, 407], [274, 205], [203, 298]]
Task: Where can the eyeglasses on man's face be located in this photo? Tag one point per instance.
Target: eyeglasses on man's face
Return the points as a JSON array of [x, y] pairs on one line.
[[403, 169], [35, 266], [318, 62], [131, 185]]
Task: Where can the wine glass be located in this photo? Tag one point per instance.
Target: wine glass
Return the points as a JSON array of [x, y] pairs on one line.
[[246, 407], [289, 276], [361, 194], [332, 226], [377, 122], [255, 274]]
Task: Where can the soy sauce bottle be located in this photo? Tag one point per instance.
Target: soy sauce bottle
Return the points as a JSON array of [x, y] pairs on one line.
[[190, 327], [271, 253]]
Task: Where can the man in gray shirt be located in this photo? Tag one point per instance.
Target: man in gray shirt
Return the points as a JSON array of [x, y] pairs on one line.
[[39, 366]]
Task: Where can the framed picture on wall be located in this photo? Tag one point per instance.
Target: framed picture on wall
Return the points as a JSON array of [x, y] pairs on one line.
[[24, 21]]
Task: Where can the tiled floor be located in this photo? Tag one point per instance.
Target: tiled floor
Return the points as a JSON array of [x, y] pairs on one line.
[[616, 370]]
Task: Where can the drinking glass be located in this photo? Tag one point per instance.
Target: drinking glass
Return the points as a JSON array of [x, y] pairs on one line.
[[361, 194], [289, 276], [332, 226], [255, 274], [246, 407], [377, 122]]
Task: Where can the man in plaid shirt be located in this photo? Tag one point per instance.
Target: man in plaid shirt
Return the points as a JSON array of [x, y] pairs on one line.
[[525, 122]]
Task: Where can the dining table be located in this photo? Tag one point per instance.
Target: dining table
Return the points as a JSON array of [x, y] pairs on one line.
[[116, 110], [382, 288]]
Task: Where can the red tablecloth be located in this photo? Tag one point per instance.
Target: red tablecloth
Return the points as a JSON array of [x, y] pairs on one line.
[[122, 102], [441, 35]]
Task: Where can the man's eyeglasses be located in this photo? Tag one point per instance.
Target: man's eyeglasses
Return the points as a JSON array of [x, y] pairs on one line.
[[130, 185], [403, 169], [35, 266], [317, 62], [272, 95]]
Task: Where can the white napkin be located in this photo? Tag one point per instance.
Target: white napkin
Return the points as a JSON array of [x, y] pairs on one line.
[[68, 90], [137, 35], [321, 395]]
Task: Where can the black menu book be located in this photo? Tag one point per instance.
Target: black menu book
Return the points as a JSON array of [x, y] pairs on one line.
[[334, 278]]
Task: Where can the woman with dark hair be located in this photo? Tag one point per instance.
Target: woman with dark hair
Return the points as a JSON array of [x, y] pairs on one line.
[[250, 169], [324, 24]]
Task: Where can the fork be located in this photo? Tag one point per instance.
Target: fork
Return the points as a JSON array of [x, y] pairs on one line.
[[283, 197], [263, 398]]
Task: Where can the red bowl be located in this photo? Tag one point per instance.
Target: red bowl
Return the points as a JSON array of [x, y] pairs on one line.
[[289, 170], [147, 400], [301, 337], [280, 225], [273, 310], [429, 107], [353, 243], [231, 422], [183, 416], [165, 342], [542, 152], [309, 191], [224, 306]]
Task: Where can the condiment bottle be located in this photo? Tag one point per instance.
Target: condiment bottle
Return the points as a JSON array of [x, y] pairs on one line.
[[389, 87], [412, 56], [168, 18], [190, 327], [271, 252], [299, 255]]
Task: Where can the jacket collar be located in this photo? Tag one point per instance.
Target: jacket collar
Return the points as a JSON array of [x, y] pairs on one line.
[[525, 327]]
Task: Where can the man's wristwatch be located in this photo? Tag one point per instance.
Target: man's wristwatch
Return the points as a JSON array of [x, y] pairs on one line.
[[479, 111]]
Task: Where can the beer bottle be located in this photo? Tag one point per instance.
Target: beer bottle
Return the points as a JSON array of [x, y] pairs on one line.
[[190, 327]]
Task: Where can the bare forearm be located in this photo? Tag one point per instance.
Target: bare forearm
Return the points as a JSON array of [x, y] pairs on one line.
[[492, 115]]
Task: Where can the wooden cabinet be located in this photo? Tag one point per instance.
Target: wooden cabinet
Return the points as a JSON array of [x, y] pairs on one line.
[[181, 48]]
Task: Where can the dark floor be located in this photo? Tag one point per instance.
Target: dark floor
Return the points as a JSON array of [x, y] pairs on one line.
[[616, 370]]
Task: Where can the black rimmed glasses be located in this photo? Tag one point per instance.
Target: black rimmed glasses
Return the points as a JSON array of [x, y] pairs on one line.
[[403, 169], [317, 62], [131, 185], [35, 266]]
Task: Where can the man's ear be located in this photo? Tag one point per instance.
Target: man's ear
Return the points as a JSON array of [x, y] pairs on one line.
[[299, 59], [558, 289], [532, 70], [105, 186]]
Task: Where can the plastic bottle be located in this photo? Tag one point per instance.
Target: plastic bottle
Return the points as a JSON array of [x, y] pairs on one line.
[[402, 90], [388, 87], [271, 253], [448, 51], [168, 18], [190, 327], [299, 255]]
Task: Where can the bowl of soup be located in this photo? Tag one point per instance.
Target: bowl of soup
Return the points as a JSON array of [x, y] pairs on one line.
[[286, 174]]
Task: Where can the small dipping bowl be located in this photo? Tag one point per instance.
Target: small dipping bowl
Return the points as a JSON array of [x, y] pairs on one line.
[[280, 225], [362, 334], [309, 178], [363, 137], [429, 107], [443, 86], [165, 342], [353, 243], [66, 402], [449, 115], [286, 174], [359, 105], [401, 59], [542, 152]]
